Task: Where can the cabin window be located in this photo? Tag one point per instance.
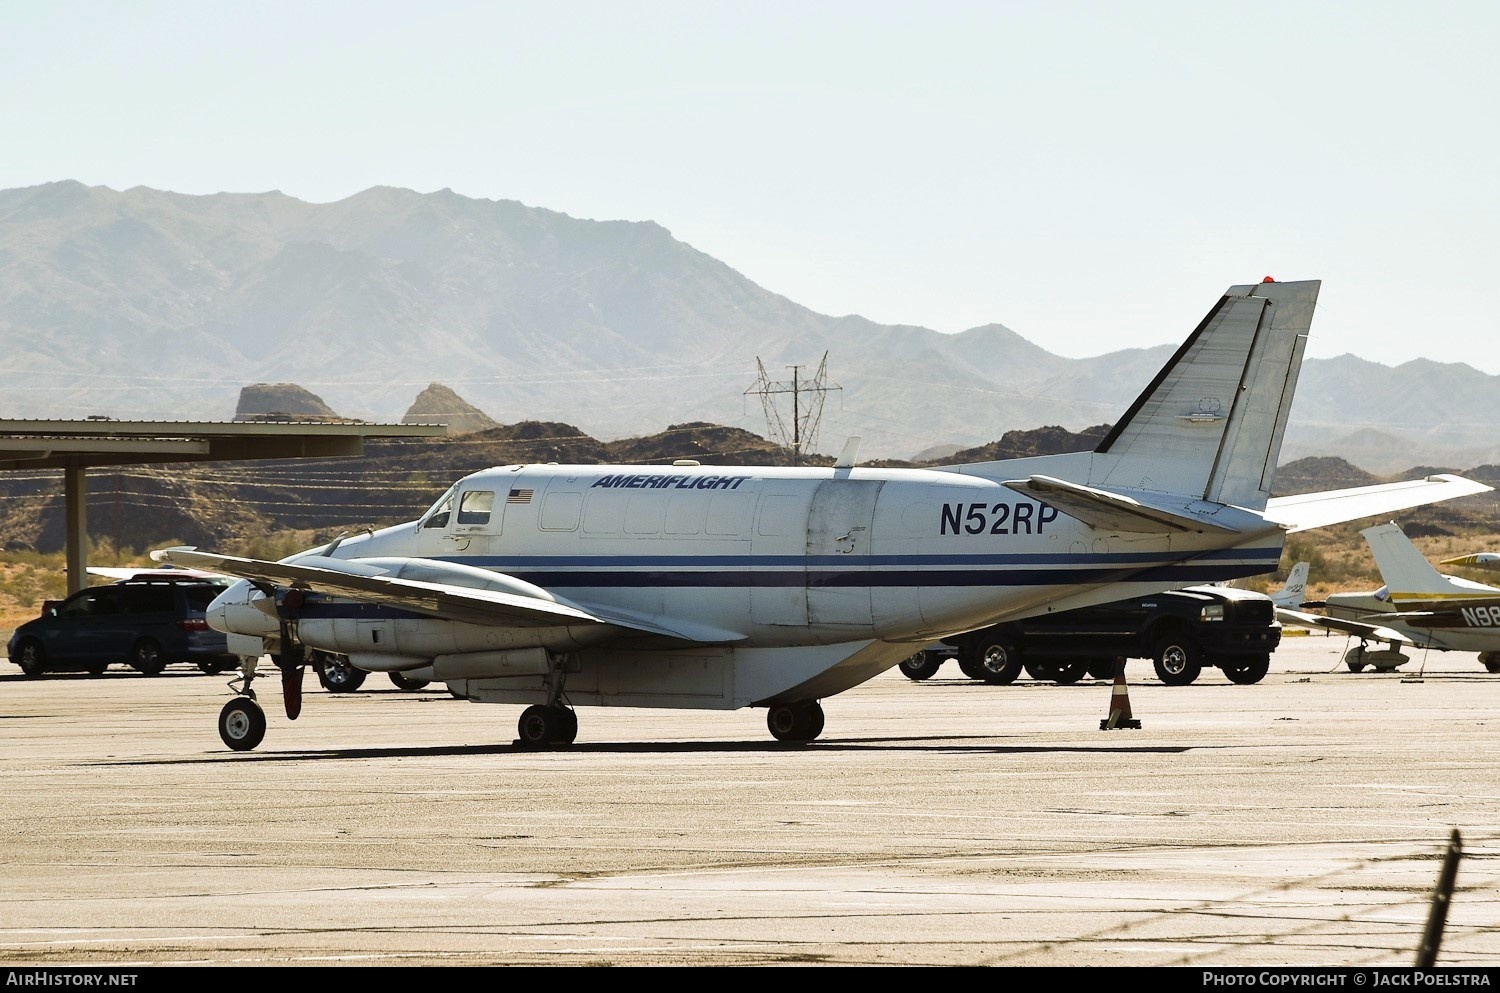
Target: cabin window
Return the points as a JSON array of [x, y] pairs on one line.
[[604, 514], [475, 506], [729, 514], [643, 514], [685, 513], [780, 514], [560, 511]]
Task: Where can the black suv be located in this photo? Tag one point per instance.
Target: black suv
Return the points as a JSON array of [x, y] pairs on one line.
[[1182, 632], [148, 621]]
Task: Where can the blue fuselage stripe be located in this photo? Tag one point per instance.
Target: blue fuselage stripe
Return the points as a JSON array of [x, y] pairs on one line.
[[512, 564]]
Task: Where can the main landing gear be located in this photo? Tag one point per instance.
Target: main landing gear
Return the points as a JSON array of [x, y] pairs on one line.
[[553, 722], [795, 721], [542, 725]]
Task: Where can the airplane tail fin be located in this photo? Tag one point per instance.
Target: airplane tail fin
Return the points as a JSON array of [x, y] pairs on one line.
[[1294, 591], [1212, 422], [1204, 438], [1407, 575]]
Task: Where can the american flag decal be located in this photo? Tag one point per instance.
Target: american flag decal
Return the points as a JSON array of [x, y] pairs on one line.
[[519, 496]]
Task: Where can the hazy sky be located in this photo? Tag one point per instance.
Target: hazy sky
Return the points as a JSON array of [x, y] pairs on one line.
[[1090, 174]]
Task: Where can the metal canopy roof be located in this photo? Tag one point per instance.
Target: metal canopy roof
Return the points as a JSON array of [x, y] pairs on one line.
[[46, 444], [79, 445]]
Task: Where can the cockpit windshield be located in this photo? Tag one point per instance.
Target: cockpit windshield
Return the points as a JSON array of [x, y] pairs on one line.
[[438, 514]]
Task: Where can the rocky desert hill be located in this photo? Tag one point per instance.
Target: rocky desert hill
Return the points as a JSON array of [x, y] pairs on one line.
[[147, 304]]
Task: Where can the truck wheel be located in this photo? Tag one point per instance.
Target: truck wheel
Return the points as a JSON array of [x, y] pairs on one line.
[[1039, 669], [1245, 671], [1103, 668], [1069, 671], [1177, 661], [336, 673], [146, 657], [922, 665], [999, 664]]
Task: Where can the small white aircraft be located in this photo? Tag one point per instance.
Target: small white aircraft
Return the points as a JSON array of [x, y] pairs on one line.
[[1418, 607], [724, 587]]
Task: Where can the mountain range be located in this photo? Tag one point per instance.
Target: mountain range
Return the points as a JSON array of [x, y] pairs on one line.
[[145, 304]]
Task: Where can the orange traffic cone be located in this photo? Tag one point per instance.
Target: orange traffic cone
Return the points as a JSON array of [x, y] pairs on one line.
[[1119, 703]]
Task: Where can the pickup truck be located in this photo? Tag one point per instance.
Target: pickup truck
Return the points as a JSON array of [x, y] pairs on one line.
[[1182, 632]]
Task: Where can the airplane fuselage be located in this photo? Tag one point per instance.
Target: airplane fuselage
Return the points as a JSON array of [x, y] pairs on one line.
[[1453, 627], [775, 556]]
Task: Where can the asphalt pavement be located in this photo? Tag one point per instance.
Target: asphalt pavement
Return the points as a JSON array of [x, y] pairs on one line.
[[1301, 821]]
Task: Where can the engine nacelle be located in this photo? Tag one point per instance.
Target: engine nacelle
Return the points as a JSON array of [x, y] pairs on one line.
[[431, 571]]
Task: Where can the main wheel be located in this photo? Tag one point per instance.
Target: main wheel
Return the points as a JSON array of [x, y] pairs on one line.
[[568, 732], [1249, 671], [242, 724], [540, 726], [146, 657], [1356, 659], [31, 657], [337, 673], [405, 682], [1177, 661], [1069, 671], [1490, 661], [922, 665], [795, 722]]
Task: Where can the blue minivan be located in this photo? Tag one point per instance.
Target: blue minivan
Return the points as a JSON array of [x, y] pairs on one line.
[[147, 621]]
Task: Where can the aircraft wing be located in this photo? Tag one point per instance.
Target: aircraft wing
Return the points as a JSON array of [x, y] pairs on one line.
[[455, 603], [1315, 510], [1373, 632]]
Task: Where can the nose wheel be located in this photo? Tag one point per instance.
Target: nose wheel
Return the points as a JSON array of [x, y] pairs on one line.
[[242, 724]]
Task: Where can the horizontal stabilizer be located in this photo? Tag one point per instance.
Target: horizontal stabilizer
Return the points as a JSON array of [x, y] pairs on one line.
[[1315, 510], [1110, 511]]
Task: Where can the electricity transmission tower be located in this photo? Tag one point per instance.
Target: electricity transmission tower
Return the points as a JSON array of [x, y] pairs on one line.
[[807, 410]]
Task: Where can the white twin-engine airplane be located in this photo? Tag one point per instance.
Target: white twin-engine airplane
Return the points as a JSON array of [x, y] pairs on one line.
[[723, 587]]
